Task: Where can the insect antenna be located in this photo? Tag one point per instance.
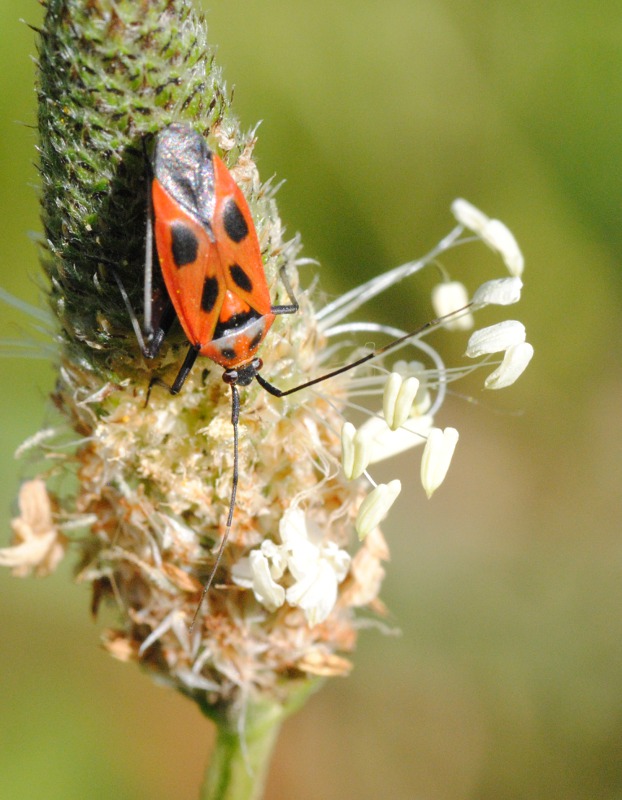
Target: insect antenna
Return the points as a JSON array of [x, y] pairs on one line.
[[235, 416], [273, 390]]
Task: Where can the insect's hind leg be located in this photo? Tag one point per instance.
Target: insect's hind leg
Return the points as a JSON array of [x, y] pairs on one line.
[[154, 342], [150, 335], [293, 306], [149, 340]]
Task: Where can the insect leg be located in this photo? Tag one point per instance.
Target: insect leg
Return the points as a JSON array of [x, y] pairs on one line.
[[149, 345], [153, 335], [157, 335], [293, 306], [148, 273], [130, 311], [184, 370], [149, 338]]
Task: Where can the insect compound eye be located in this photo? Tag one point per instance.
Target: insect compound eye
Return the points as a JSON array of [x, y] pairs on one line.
[[230, 376], [257, 364]]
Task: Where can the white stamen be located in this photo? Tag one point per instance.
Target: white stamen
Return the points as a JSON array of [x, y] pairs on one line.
[[469, 216], [500, 238], [495, 338], [375, 507], [439, 450], [354, 451], [398, 398], [449, 297], [514, 363], [492, 231], [417, 369], [500, 292]]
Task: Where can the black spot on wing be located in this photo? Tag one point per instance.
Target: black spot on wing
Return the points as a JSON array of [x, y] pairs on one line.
[[256, 341], [231, 325], [210, 294], [235, 224], [185, 244], [240, 278], [228, 353]]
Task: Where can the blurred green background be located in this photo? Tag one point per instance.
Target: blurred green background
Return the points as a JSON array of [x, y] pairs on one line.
[[506, 681]]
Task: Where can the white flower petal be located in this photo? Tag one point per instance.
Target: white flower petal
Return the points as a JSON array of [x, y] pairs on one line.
[[385, 443], [500, 238], [437, 455], [315, 594], [338, 559], [301, 557], [469, 216], [317, 568], [514, 363], [495, 338], [449, 297], [242, 573], [500, 292], [375, 507], [265, 589], [293, 525], [277, 557]]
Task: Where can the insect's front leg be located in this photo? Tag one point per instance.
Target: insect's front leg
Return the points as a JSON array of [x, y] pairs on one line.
[[184, 371]]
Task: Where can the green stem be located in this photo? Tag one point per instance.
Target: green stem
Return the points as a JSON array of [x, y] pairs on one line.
[[239, 764]]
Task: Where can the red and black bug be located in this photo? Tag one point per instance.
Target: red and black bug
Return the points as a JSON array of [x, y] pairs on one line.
[[201, 231]]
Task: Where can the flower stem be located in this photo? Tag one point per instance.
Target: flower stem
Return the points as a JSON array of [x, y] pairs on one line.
[[239, 764], [241, 757]]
